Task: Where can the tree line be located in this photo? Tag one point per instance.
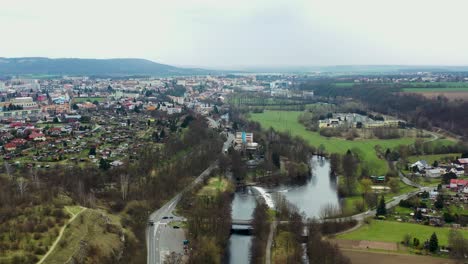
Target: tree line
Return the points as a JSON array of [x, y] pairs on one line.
[[421, 111]]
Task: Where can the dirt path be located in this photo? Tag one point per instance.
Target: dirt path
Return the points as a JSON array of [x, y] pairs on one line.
[[62, 230], [357, 226], [270, 242], [365, 257]]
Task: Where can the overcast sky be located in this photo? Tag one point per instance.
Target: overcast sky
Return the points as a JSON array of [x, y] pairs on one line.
[[218, 33]]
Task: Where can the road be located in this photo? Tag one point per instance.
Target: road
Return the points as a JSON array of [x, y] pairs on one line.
[[229, 141], [396, 200], [273, 226], [162, 239], [153, 232], [212, 123]]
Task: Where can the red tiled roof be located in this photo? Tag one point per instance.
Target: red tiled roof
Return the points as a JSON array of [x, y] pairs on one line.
[[459, 181], [35, 135], [18, 141], [10, 145]]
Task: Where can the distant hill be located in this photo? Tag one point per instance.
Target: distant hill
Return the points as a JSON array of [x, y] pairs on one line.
[[91, 67], [359, 69]]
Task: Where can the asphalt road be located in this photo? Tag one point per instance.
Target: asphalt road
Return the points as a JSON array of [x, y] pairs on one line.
[[396, 200], [153, 232], [161, 239]]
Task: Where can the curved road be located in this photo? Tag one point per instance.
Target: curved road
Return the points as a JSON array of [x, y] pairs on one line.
[[157, 230]]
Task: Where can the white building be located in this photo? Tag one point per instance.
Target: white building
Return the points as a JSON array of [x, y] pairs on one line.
[[434, 173], [243, 137], [25, 102], [174, 110]]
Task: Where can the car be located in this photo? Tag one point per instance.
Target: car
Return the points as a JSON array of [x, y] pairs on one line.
[[151, 223], [165, 217], [176, 227], [170, 217]]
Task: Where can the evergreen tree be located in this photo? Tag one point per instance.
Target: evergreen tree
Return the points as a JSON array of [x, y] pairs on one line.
[[104, 164], [433, 243], [381, 209], [92, 151], [439, 203]]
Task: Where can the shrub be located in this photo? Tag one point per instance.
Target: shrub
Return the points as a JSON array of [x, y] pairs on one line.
[[37, 236], [39, 251], [58, 213], [63, 243], [41, 228]]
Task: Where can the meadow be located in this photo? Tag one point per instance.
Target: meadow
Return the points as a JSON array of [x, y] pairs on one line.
[[88, 99], [96, 228], [390, 231], [436, 157], [215, 185], [287, 121], [436, 89]]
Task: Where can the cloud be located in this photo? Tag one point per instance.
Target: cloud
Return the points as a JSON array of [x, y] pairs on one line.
[[243, 32]]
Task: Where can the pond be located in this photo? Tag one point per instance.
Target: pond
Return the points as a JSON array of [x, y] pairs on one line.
[[320, 190]]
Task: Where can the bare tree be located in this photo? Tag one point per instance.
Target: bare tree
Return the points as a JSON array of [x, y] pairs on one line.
[[7, 168], [173, 258], [34, 177], [81, 192], [124, 181], [22, 185], [329, 210]]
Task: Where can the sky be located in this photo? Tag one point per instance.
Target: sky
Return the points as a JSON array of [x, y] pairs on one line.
[[240, 33]]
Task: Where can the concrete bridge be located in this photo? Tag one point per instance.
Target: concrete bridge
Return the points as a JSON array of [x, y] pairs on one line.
[[241, 222]]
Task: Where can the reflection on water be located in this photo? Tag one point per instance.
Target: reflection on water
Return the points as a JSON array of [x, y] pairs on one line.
[[239, 248], [243, 206], [319, 191]]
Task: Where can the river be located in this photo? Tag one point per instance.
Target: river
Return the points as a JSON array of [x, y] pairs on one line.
[[310, 197]]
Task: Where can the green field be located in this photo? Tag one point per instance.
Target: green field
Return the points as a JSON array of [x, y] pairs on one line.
[[436, 89], [288, 122], [215, 185], [344, 84], [88, 99], [435, 84], [390, 231], [348, 207], [431, 158]]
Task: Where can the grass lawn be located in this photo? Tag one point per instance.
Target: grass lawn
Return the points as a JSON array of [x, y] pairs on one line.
[[403, 189], [402, 210], [215, 185], [348, 204], [390, 231], [349, 208], [287, 121], [431, 158], [89, 99], [430, 182]]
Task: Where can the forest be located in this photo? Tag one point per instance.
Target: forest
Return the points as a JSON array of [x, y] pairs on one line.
[[423, 112]]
